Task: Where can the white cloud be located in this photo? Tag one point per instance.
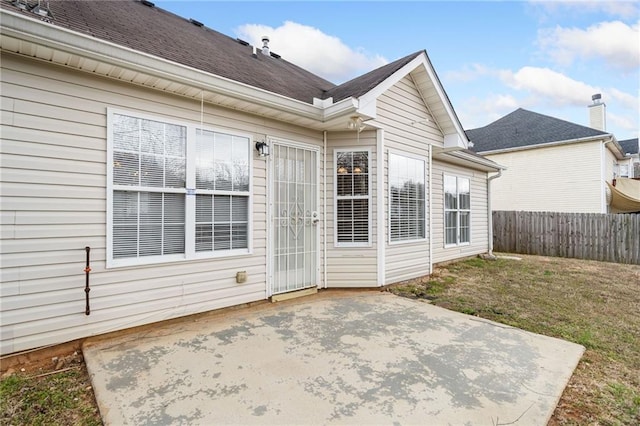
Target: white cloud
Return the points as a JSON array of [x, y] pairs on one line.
[[622, 122], [313, 50], [615, 43], [625, 9], [556, 88], [624, 99], [468, 73], [475, 112]]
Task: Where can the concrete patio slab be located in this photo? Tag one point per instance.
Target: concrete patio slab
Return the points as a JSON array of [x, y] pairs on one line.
[[333, 358]]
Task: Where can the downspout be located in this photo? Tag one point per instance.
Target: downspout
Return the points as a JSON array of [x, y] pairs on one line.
[[603, 184], [430, 153], [324, 209], [489, 213]]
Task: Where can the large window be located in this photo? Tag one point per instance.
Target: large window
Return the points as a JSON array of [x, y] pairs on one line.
[[155, 169], [352, 198], [407, 198], [222, 186], [457, 210]]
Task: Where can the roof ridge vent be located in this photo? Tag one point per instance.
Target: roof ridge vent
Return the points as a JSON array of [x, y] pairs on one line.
[[242, 42], [275, 55], [196, 23], [20, 4], [42, 9], [147, 3]]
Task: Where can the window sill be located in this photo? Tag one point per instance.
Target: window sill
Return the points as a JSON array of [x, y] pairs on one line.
[[402, 242], [173, 259], [353, 245], [456, 245]]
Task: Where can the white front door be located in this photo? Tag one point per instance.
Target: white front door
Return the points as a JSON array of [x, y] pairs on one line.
[[295, 237]]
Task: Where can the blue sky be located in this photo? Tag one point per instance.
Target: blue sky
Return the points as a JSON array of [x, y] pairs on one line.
[[491, 56]]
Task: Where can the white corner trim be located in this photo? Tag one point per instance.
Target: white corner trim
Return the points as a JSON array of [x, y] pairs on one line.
[[380, 197]]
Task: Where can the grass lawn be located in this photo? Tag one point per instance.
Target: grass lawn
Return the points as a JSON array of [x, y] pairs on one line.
[[595, 304]]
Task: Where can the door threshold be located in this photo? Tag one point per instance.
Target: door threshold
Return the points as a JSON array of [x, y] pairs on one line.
[[292, 295]]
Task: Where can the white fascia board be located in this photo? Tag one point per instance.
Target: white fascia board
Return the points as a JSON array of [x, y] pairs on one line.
[[454, 140], [599, 138], [343, 107], [472, 160], [54, 37], [618, 152], [469, 161], [368, 100]]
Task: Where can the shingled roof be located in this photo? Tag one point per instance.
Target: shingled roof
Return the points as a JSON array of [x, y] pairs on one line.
[[364, 83], [142, 26], [523, 128], [630, 146]]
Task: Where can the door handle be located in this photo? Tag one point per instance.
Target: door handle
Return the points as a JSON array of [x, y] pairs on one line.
[[314, 218]]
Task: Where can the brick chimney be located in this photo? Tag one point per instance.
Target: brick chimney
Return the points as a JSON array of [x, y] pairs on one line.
[[597, 113]]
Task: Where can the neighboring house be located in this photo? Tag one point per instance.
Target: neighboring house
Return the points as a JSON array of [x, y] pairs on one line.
[[631, 168], [551, 164], [203, 173]]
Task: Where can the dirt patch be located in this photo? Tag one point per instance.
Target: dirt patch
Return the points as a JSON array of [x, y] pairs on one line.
[[55, 390]]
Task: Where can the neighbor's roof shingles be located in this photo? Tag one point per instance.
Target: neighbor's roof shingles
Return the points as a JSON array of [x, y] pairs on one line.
[[523, 128], [630, 146]]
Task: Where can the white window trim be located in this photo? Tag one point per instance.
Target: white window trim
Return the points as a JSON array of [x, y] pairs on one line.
[[388, 195], [444, 214], [189, 191], [369, 242]]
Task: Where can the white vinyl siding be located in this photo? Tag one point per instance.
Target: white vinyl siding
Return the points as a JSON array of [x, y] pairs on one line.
[[353, 200], [457, 210], [479, 219], [564, 178], [351, 266], [406, 198], [409, 128], [54, 189], [151, 168]]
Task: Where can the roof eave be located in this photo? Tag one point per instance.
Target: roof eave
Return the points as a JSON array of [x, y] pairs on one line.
[[73, 44], [469, 160], [604, 137]]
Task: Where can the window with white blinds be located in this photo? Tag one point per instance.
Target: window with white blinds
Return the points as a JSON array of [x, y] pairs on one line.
[[153, 165], [222, 188], [457, 210], [352, 188], [406, 198]]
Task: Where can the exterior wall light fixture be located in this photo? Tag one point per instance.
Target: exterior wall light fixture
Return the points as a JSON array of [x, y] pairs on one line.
[[262, 148]]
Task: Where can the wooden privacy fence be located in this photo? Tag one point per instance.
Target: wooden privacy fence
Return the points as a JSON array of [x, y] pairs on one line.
[[605, 237]]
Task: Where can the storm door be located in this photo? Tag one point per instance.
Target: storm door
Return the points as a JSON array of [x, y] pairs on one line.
[[294, 218]]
